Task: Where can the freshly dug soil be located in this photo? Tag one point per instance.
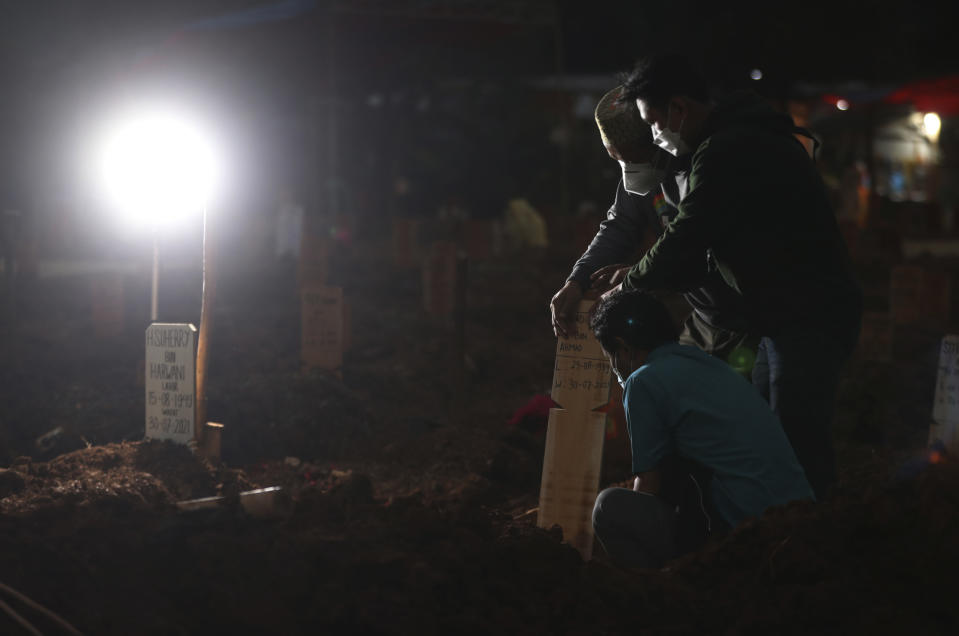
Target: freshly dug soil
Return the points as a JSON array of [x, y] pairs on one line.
[[413, 502]]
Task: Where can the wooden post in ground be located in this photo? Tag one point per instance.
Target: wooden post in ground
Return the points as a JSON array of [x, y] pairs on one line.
[[574, 436], [459, 320], [439, 279], [206, 327], [945, 409], [322, 328]]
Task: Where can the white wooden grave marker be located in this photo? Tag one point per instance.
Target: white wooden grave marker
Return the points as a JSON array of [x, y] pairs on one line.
[[574, 436], [945, 408], [570, 483], [170, 381], [581, 373]]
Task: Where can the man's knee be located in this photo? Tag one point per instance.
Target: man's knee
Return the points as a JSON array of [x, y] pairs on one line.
[[610, 505]]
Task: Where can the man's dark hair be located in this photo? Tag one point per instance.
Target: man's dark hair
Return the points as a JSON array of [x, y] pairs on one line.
[[635, 316], [658, 78]]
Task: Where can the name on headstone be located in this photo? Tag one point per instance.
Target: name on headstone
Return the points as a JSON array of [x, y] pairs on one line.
[[581, 374], [170, 381]]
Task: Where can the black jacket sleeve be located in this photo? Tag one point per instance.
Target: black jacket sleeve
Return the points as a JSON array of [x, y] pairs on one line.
[[678, 260], [619, 235]]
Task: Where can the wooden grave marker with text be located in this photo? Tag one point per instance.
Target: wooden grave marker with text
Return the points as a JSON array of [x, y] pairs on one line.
[[581, 373], [945, 408], [322, 328], [574, 435], [170, 381]]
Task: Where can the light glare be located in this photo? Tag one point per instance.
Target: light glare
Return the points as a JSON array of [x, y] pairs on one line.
[[931, 124], [756, 74], [842, 104], [158, 168]]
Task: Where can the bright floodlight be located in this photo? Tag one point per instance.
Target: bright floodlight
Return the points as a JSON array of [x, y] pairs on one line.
[[931, 124], [158, 167]]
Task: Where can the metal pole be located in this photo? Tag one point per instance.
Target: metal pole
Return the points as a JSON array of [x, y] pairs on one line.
[[154, 294]]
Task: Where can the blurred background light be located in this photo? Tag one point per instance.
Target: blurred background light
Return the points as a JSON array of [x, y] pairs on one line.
[[931, 124], [756, 74], [157, 166], [842, 104]]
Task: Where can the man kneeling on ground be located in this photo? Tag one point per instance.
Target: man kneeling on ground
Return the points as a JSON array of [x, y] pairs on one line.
[[707, 451]]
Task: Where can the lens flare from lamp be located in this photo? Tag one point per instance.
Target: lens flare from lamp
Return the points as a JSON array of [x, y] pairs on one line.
[[931, 124], [158, 168]]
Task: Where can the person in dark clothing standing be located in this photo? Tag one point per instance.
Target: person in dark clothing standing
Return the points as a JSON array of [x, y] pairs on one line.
[[652, 185], [756, 210]]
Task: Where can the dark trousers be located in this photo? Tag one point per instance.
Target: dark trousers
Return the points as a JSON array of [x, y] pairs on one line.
[[639, 530], [798, 374]]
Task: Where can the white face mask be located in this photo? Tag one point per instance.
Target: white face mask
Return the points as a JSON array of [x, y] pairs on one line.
[[671, 140], [641, 178]]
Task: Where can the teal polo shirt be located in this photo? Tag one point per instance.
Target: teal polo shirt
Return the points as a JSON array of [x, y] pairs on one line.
[[685, 402]]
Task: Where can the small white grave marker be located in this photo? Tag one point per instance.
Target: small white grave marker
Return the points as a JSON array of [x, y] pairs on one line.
[[945, 408], [170, 381]]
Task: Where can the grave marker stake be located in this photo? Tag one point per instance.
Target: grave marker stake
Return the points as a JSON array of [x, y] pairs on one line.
[[206, 327], [575, 433]]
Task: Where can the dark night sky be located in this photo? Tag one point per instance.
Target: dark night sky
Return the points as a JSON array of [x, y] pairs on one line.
[[44, 40], [57, 57]]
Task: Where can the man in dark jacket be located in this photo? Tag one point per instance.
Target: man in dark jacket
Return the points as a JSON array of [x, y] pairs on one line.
[[757, 209], [651, 187]]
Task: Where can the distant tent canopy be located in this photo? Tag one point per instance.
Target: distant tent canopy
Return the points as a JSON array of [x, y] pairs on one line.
[[940, 95]]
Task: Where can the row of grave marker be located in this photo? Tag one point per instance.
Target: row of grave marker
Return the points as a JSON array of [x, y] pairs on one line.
[[325, 318]]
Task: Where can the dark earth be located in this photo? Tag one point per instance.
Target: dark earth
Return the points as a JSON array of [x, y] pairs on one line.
[[413, 500]]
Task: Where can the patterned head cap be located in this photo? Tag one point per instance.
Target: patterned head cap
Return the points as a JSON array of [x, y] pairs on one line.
[[619, 122]]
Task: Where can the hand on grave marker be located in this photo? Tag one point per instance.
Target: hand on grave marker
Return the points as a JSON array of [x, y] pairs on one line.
[[563, 308], [608, 277]]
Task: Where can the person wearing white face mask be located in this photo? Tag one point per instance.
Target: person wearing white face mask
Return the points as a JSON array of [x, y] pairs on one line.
[[757, 207], [689, 418], [651, 183]]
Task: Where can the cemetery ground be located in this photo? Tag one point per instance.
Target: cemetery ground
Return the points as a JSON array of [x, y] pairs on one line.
[[411, 501]]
